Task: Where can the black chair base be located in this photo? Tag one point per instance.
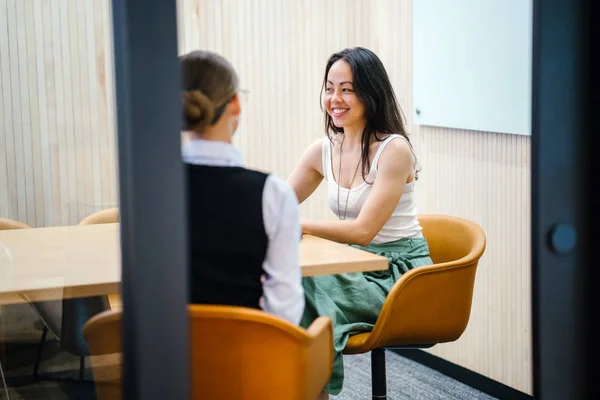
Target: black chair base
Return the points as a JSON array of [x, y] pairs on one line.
[[378, 374], [50, 377]]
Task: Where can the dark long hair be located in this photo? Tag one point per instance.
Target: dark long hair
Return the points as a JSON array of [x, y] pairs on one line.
[[374, 90]]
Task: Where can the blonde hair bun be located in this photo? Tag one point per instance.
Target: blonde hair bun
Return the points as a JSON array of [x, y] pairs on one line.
[[198, 110]]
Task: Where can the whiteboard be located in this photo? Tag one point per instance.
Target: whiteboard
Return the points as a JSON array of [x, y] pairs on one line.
[[472, 64]]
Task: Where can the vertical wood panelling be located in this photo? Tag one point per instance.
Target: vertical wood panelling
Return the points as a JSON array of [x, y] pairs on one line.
[[57, 139], [485, 177], [57, 133], [7, 109], [4, 97]]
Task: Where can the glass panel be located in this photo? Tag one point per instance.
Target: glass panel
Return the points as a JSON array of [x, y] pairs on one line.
[[59, 183], [61, 228]]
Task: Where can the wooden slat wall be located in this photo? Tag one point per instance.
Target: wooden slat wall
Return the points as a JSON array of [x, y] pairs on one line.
[[57, 137], [57, 133], [486, 177]]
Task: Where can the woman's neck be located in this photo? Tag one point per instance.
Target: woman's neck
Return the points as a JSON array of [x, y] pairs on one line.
[[215, 133], [353, 136]]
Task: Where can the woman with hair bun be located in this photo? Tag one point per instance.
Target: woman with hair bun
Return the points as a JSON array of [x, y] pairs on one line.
[[244, 227]]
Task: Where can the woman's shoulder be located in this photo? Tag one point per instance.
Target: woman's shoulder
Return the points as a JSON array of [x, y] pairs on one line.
[[393, 143], [315, 150], [316, 145], [326, 140], [395, 151]]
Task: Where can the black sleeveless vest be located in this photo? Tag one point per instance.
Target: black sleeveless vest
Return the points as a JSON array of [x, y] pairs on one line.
[[226, 234]]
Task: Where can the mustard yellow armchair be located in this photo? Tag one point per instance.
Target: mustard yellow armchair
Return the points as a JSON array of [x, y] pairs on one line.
[[236, 353], [429, 304]]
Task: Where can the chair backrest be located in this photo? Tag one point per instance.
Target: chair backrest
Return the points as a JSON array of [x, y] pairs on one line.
[[108, 216], [452, 238], [102, 333], [255, 355], [7, 224], [237, 353], [432, 304]]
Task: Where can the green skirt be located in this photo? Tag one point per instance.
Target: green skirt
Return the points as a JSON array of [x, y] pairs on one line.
[[353, 300]]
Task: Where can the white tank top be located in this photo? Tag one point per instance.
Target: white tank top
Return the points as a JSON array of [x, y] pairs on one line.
[[402, 224]]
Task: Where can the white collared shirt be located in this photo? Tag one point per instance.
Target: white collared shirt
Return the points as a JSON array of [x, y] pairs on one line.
[[282, 288]]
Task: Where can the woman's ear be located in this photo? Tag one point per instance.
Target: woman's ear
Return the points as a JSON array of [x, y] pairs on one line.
[[236, 109]]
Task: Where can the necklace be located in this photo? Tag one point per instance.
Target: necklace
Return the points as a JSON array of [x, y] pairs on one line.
[[340, 181]]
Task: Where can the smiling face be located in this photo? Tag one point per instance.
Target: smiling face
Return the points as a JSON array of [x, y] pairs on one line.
[[340, 100]]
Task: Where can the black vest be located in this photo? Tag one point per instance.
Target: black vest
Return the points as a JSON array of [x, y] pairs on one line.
[[226, 234]]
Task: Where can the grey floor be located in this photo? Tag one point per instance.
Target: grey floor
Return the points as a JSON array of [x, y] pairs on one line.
[[406, 379]]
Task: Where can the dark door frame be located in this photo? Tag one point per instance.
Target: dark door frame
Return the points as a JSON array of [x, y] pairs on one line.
[[152, 200], [563, 165]]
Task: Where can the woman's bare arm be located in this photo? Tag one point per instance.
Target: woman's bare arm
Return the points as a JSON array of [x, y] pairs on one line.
[[308, 174]]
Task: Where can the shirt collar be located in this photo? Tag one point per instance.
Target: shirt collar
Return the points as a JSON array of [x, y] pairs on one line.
[[210, 152]]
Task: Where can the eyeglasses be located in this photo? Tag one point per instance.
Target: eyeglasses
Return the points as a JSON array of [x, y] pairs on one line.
[[243, 94]]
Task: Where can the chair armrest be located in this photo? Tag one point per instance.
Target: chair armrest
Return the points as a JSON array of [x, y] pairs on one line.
[[319, 362]]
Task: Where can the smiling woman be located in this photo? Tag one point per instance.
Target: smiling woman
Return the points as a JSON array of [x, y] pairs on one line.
[[376, 209]]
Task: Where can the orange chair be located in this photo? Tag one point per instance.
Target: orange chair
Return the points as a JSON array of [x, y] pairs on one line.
[[7, 224], [108, 216], [236, 353], [430, 304]]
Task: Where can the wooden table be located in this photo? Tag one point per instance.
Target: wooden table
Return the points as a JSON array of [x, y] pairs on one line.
[[85, 260]]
